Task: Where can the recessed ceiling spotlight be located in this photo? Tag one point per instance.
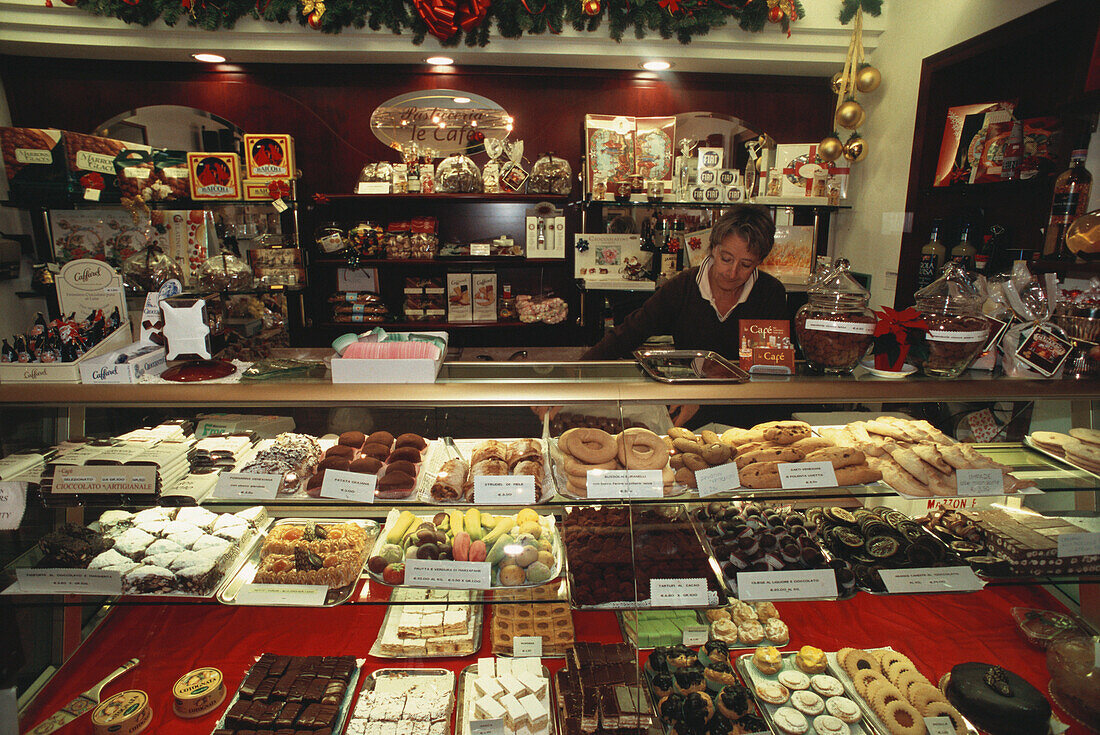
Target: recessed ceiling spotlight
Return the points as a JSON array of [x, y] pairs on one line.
[[656, 66], [440, 60], [208, 58], [461, 100]]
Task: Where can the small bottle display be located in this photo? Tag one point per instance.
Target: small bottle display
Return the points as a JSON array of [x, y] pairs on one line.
[[1071, 199], [506, 311], [931, 257], [964, 251]]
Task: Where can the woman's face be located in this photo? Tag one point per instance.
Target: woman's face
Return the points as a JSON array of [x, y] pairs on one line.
[[733, 263]]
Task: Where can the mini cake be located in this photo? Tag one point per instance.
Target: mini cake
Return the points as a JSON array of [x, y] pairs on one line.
[[751, 632], [790, 721], [808, 703], [843, 709], [662, 684], [829, 725], [689, 680], [776, 631], [719, 673], [724, 630], [767, 660], [810, 659], [772, 692], [716, 651], [826, 686], [680, 657], [997, 700], [658, 659], [733, 701]]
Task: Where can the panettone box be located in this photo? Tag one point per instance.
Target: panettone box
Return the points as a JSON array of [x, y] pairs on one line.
[[214, 175], [90, 163], [268, 156], [34, 161]]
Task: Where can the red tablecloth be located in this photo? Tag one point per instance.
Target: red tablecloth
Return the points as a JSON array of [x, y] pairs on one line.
[[935, 631]]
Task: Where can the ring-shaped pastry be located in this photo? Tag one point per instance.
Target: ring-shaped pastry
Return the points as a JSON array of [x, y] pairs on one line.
[[901, 718], [592, 446], [864, 680], [575, 468], [641, 449], [944, 709], [922, 695], [907, 679], [858, 660], [882, 694], [897, 668], [886, 657]]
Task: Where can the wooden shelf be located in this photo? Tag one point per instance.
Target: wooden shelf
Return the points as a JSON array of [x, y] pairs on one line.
[[434, 325], [482, 198], [466, 260]]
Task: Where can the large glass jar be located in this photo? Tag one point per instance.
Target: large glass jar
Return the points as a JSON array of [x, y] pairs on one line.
[[550, 175], [330, 238], [147, 270], [835, 327], [457, 174], [957, 331], [366, 237], [225, 272]]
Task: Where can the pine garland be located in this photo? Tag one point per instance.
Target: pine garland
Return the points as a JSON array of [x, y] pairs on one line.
[[679, 19], [848, 9]]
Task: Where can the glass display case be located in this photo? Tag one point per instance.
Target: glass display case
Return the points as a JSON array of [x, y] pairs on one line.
[[536, 543]]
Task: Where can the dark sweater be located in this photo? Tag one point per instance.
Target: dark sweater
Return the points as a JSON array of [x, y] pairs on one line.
[[679, 309]]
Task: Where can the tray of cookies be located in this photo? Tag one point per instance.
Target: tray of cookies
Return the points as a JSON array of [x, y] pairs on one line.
[[397, 462], [797, 693], [422, 623], [537, 611], [412, 701], [746, 625], [450, 469], [580, 450], [306, 551], [1080, 448], [516, 691]]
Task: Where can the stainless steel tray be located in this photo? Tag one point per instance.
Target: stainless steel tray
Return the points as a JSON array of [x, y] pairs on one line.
[[689, 366], [372, 680], [246, 572], [466, 680], [437, 453], [474, 632], [345, 703], [1062, 460]]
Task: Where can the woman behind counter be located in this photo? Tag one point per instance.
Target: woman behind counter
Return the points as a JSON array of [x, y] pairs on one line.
[[701, 307]]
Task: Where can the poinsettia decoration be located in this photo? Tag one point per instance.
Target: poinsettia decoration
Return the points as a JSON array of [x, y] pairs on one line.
[[898, 336]]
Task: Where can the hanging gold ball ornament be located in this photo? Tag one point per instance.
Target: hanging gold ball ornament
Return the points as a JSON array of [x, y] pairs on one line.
[[868, 79], [850, 115], [591, 7], [836, 82], [855, 149], [831, 148]]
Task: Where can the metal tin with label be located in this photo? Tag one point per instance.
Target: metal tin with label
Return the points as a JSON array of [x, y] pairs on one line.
[[198, 692], [126, 713]]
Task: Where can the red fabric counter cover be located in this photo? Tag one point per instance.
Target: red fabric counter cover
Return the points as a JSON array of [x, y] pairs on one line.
[[935, 631]]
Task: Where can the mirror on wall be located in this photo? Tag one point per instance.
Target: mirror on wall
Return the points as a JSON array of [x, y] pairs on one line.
[[174, 127], [445, 120], [715, 130]]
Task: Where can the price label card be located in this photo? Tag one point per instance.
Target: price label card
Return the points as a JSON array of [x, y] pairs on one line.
[[300, 595], [687, 592], [448, 575], [69, 581], [930, 579], [478, 249], [797, 475], [504, 490], [13, 503], [696, 635], [372, 187], [92, 195], [487, 727], [715, 480], [980, 482], [105, 480], [625, 484], [240, 486], [16, 464], [798, 584], [1078, 544], [939, 726], [527, 646], [280, 205], [355, 487]]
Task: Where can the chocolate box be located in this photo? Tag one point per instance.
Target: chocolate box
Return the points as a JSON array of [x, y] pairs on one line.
[[90, 162], [214, 175], [34, 161], [159, 177], [268, 156]]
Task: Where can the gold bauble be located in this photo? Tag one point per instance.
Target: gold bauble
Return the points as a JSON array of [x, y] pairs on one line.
[[836, 82], [830, 148], [855, 149], [850, 115], [868, 79]]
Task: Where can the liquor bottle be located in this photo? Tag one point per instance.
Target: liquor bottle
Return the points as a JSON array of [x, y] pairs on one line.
[[608, 316], [22, 352], [989, 259], [964, 251], [931, 257], [8, 353], [672, 252], [1071, 199]]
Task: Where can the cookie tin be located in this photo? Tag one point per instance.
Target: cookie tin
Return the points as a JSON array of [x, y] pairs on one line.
[[126, 713], [198, 692]]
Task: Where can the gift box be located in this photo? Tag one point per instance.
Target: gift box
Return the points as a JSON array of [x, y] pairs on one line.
[[90, 162], [34, 161], [268, 156], [159, 176], [798, 162], [214, 175], [266, 190]]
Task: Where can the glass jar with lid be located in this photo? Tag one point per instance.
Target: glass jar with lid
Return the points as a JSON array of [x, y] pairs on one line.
[[835, 327], [331, 238], [366, 238], [951, 306], [148, 269], [457, 174], [225, 272]]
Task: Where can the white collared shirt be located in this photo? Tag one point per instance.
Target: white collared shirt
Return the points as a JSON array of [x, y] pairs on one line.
[[703, 279]]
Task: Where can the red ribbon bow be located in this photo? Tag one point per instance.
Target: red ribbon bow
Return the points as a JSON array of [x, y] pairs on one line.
[[320, 198], [445, 17], [277, 189], [901, 325]]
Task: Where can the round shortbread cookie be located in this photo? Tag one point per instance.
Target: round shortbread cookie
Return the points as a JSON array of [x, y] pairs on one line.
[[1089, 436], [1051, 439], [1080, 450]]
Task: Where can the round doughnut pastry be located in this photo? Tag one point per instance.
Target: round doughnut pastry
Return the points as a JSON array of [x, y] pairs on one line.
[[843, 708], [354, 439], [857, 660], [826, 686], [944, 709], [366, 465], [378, 451], [685, 476], [590, 446], [411, 440], [716, 453], [401, 465], [807, 702], [901, 718], [829, 725], [407, 453], [907, 679], [641, 449], [380, 437], [577, 490], [882, 694], [679, 432], [335, 462], [923, 694], [794, 680], [693, 461], [864, 680], [341, 450], [575, 468]]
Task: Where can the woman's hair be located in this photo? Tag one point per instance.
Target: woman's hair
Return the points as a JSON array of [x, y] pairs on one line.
[[750, 221]]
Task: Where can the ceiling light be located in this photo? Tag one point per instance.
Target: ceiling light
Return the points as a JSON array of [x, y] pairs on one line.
[[462, 100], [656, 66], [208, 58], [440, 60]]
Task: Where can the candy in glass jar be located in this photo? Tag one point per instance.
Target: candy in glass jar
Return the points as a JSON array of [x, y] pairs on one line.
[[834, 327], [957, 331]]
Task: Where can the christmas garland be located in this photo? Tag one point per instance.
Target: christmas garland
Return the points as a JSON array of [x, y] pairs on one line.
[[456, 22]]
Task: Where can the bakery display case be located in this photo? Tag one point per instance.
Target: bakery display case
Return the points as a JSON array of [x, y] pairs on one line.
[[353, 558]]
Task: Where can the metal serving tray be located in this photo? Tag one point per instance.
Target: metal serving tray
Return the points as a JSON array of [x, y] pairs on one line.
[[380, 677], [466, 699], [473, 631], [689, 366]]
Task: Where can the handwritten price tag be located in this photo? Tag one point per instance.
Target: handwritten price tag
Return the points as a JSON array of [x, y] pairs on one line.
[[715, 480], [798, 475], [527, 645], [625, 484], [355, 487], [930, 579], [448, 575], [807, 584], [939, 726], [695, 635], [297, 595], [487, 727], [504, 490], [688, 592], [240, 486], [1078, 544], [980, 482]]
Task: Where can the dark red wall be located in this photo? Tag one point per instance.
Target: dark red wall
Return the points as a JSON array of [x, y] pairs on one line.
[[327, 107]]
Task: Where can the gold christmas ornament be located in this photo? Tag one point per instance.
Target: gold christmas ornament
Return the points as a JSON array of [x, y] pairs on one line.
[[850, 115], [837, 88], [830, 148], [868, 78], [855, 149]]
